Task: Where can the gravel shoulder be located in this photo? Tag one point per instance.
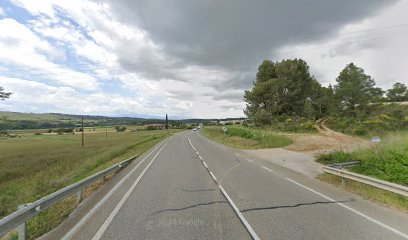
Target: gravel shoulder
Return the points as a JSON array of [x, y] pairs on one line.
[[300, 156]]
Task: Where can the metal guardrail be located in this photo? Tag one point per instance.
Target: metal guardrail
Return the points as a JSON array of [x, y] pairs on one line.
[[388, 186], [27, 211], [345, 164]]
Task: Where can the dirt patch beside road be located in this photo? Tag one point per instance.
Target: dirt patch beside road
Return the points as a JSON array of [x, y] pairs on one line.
[[325, 140], [300, 156]]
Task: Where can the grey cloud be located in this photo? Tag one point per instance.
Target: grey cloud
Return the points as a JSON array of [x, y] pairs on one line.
[[182, 95], [235, 96], [237, 34]]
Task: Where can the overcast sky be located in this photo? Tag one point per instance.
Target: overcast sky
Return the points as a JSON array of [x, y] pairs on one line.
[[185, 58]]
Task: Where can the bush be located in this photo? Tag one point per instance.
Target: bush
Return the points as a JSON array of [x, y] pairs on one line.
[[64, 130], [120, 129], [360, 132], [37, 133], [334, 157]]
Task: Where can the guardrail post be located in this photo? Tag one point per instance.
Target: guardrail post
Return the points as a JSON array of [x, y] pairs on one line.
[[79, 196], [22, 227]]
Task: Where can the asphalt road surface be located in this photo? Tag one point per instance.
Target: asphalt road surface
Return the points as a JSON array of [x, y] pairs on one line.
[[188, 187]]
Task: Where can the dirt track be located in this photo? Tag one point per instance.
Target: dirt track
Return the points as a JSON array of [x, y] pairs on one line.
[[325, 140]]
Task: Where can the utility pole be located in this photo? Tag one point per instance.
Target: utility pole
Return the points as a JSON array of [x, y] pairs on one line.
[[82, 120], [167, 122]]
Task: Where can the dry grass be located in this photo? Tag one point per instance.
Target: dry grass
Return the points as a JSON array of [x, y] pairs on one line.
[[32, 167], [246, 138]]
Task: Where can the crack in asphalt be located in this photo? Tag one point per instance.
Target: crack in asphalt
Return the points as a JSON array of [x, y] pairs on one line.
[[184, 208], [295, 205], [199, 190]]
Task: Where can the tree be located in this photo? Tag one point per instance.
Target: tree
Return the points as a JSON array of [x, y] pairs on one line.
[[354, 90], [308, 109], [120, 129], [281, 88], [3, 94], [398, 93], [167, 122]]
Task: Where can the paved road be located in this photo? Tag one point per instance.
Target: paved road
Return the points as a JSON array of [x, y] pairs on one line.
[[191, 188]]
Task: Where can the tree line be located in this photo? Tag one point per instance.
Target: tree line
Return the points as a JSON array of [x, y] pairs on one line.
[[286, 88]]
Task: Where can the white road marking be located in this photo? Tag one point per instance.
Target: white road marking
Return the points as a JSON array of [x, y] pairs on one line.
[[200, 157], [212, 175], [241, 217], [267, 169], [234, 207], [352, 210], [104, 199], [105, 225]]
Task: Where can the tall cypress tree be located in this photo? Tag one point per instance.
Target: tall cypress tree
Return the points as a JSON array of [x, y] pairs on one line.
[[167, 122]]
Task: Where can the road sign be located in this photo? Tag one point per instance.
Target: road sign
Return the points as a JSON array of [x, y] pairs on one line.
[[376, 139], [224, 129]]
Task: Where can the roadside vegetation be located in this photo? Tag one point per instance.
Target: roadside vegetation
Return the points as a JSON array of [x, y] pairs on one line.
[[380, 196], [246, 138], [387, 160], [285, 90], [286, 96], [34, 166]]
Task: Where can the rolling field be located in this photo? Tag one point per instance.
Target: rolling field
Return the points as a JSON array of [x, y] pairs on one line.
[[34, 166]]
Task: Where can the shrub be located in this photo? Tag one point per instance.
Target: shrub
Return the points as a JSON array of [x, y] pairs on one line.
[[360, 132], [64, 130], [37, 133], [120, 129], [334, 157]]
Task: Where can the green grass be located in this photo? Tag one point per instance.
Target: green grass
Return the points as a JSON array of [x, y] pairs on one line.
[[246, 138], [380, 196], [387, 160], [34, 166]]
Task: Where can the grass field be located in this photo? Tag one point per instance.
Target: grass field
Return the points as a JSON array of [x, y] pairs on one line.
[[387, 160], [34, 166], [246, 138]]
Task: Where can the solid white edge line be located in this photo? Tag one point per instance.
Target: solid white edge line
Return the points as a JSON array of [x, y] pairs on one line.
[[249, 160], [241, 217], [73, 230], [352, 210], [205, 164], [105, 225], [200, 157]]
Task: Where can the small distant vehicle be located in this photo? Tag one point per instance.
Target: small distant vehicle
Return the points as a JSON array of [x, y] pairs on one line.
[[194, 129]]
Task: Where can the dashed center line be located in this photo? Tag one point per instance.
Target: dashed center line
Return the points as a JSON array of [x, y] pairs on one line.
[[212, 175], [234, 207], [267, 169]]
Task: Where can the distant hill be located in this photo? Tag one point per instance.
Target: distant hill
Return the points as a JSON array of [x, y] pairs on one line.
[[16, 120]]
